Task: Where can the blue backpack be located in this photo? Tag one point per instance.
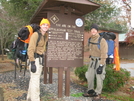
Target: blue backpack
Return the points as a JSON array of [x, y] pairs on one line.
[[109, 37]]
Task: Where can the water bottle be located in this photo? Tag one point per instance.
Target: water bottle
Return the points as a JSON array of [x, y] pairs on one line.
[[23, 52]]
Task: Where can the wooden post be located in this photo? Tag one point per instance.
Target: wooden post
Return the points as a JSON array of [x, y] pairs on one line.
[[60, 81], [45, 75], [45, 70], [1, 94], [67, 81], [50, 75]]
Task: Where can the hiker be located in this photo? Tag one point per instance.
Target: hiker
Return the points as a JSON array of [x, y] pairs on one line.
[[97, 64], [35, 55]]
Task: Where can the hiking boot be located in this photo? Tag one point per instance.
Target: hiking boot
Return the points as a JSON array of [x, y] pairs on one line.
[[90, 93]]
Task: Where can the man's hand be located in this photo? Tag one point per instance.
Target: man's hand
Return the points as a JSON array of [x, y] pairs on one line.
[[99, 69], [33, 66]]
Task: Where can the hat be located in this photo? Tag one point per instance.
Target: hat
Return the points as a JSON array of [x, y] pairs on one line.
[[95, 26], [44, 21]]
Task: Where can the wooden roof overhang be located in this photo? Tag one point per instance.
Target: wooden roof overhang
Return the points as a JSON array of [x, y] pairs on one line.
[[73, 7]]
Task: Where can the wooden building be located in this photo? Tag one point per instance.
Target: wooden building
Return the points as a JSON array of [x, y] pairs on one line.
[[126, 50]]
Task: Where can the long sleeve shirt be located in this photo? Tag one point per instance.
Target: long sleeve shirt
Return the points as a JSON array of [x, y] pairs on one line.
[[95, 51], [39, 48]]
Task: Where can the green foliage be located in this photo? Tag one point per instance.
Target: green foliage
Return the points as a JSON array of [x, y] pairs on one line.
[[106, 16], [80, 72], [115, 97], [113, 80], [8, 28], [24, 9], [77, 95], [10, 55], [10, 24]]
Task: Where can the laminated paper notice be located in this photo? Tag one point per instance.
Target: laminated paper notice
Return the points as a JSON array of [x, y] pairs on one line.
[[66, 35]]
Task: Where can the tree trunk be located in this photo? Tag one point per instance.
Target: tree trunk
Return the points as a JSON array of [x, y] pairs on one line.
[[2, 58]]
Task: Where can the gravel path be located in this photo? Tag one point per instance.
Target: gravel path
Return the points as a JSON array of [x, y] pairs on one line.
[[48, 91]]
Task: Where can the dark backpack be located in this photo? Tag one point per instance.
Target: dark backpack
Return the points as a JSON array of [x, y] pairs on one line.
[[109, 37], [19, 46]]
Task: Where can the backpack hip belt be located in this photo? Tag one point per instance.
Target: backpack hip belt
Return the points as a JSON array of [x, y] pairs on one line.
[[41, 60]]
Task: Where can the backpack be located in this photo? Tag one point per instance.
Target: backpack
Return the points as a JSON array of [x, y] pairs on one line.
[[109, 37], [20, 44]]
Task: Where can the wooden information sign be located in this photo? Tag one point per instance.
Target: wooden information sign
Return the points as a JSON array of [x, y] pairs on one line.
[[65, 44], [66, 34]]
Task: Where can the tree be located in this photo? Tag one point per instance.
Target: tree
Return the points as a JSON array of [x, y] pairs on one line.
[[106, 16], [8, 28], [13, 15], [24, 9], [127, 8]]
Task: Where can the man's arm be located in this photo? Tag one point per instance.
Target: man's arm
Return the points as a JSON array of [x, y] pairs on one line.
[[32, 46]]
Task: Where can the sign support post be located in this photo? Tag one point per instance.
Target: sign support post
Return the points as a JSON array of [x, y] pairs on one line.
[[67, 81]]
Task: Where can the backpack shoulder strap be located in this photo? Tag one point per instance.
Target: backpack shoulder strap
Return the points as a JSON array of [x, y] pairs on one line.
[[99, 40], [89, 41], [39, 37], [93, 42]]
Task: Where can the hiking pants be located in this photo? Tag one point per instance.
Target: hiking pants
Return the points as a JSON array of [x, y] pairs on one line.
[[34, 84], [91, 73]]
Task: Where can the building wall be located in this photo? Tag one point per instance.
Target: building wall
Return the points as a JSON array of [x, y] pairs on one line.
[[126, 51]]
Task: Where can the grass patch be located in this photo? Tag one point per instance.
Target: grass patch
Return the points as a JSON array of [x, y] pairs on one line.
[[77, 95], [117, 97]]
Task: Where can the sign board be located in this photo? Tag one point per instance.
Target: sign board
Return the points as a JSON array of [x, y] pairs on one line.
[[65, 44]]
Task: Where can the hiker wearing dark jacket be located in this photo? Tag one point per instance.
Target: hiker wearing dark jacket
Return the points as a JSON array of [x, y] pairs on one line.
[[97, 64], [35, 54]]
